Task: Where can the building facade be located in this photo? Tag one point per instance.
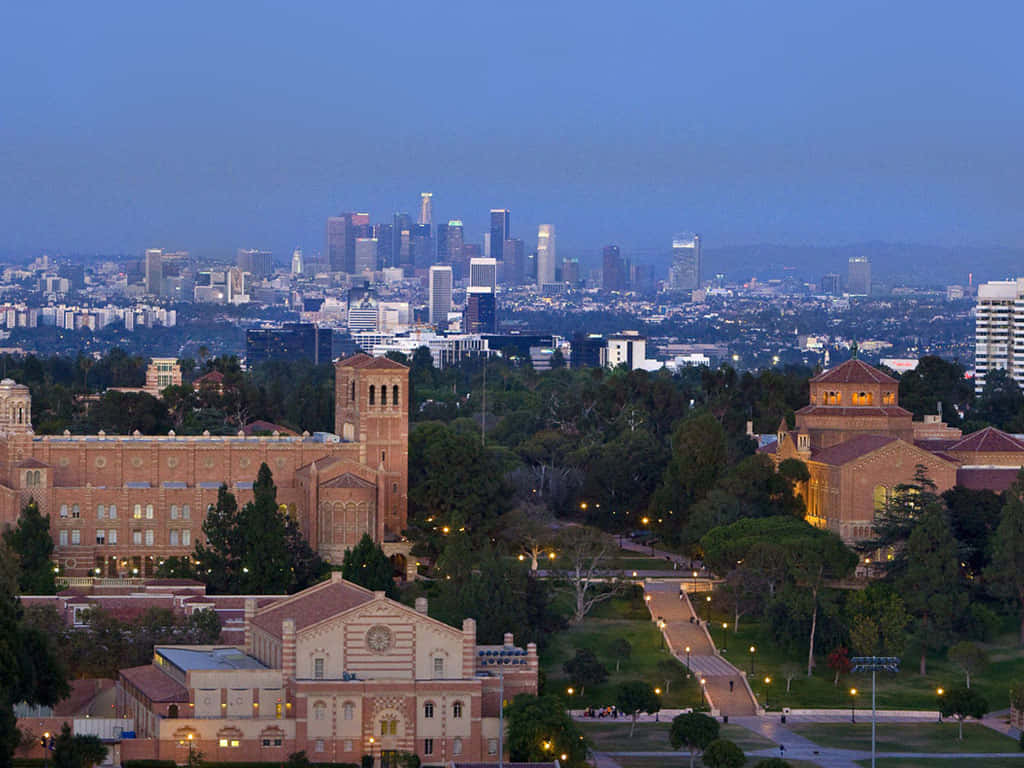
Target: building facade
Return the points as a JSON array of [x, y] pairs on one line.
[[337, 671], [860, 446], [999, 331], [440, 294], [119, 504], [685, 274]]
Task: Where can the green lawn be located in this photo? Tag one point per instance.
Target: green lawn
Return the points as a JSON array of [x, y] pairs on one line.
[[940, 762], [653, 737], [682, 760], [622, 617], [904, 690], [906, 737]]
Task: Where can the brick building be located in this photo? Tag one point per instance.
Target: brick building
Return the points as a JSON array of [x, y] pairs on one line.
[[859, 445], [118, 504], [335, 670]]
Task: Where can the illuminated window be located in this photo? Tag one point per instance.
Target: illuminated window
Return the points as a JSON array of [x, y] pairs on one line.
[[112, 537], [880, 498], [186, 538], [492, 746], [137, 511], [63, 510], [76, 537], [149, 511], [222, 742]]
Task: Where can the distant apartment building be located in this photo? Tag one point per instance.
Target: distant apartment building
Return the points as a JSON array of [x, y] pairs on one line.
[[483, 273], [587, 350], [685, 272], [258, 263], [830, 284], [154, 271], [858, 276], [629, 348], [290, 341], [161, 373], [999, 331]]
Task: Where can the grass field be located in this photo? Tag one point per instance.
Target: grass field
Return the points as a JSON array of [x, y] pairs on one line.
[[653, 737], [682, 760], [904, 690], [906, 737], [622, 617]]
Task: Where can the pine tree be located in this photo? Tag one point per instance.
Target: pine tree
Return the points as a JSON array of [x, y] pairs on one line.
[[1005, 575], [31, 541], [368, 566], [265, 565]]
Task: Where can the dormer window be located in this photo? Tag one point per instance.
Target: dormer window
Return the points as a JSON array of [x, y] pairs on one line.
[[803, 442]]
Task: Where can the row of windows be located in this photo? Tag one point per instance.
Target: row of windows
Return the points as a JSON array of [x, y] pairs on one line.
[[177, 537], [373, 394], [428, 746], [318, 668], [139, 512], [386, 726]]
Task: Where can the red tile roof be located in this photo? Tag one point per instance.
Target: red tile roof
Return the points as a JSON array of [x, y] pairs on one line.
[[934, 444], [31, 463], [213, 377], [156, 685], [989, 440], [356, 361], [996, 479], [851, 449], [267, 426], [853, 372], [312, 605], [847, 411], [83, 692], [384, 364]]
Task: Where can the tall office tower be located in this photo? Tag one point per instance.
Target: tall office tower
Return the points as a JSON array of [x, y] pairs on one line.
[[440, 298], [423, 252], [385, 245], [685, 272], [366, 255], [154, 273], [513, 267], [500, 232], [297, 261], [571, 271], [641, 277], [858, 276], [999, 331], [830, 284], [545, 254], [426, 208], [481, 311], [342, 231], [401, 234], [483, 273], [613, 273], [257, 263]]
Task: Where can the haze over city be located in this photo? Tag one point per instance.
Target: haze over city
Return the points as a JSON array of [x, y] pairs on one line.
[[201, 126]]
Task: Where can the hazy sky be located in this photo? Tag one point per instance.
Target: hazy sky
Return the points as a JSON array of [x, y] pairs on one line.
[[212, 125]]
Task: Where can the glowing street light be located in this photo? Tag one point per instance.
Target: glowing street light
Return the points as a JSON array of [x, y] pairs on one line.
[[767, 682], [753, 650], [725, 636], [687, 657], [853, 705]]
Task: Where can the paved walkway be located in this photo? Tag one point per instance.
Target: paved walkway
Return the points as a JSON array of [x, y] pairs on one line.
[[668, 602]]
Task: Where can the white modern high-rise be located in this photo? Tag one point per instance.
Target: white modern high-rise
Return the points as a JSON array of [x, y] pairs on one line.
[[545, 254], [999, 331], [297, 261], [154, 270], [483, 273], [426, 208], [440, 300], [366, 255]]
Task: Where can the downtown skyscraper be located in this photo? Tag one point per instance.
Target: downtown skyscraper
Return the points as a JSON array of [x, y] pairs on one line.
[[545, 255], [685, 272], [500, 232]]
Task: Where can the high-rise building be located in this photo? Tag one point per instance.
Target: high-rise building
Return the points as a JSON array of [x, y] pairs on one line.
[[297, 261], [513, 268], [858, 276], [401, 240], [423, 254], [685, 272], [290, 341], [586, 350], [385, 244], [481, 311], [426, 208], [483, 273], [366, 255], [154, 270], [440, 294], [342, 231], [257, 263], [500, 232], [613, 273], [545, 254], [830, 284], [999, 331], [571, 271]]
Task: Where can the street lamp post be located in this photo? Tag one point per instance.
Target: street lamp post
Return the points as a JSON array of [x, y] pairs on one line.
[[767, 682], [725, 636], [703, 683], [874, 664], [853, 705], [752, 651], [661, 631], [687, 658], [940, 692], [707, 600], [191, 736]]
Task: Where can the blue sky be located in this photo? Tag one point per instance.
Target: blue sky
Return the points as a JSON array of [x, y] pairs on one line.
[[213, 125]]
